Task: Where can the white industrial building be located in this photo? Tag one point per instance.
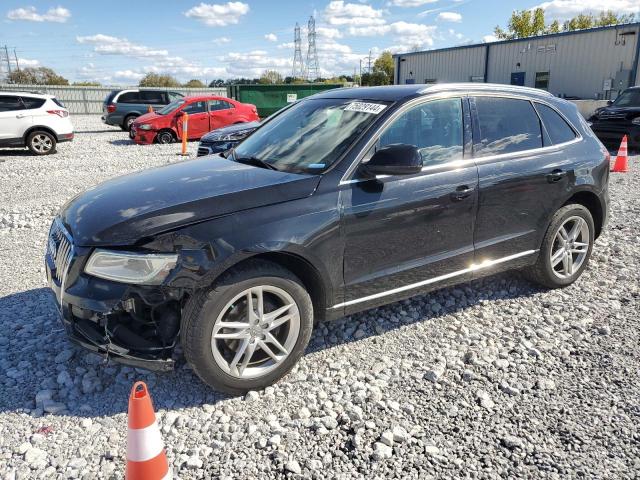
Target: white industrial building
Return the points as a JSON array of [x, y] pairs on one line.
[[595, 63]]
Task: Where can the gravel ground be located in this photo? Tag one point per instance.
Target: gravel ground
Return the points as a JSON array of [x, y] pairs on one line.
[[492, 379]]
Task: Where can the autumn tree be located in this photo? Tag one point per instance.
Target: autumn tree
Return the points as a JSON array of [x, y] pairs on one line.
[[36, 76], [193, 83], [271, 77], [159, 80]]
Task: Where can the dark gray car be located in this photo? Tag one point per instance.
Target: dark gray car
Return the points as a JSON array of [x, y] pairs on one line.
[[225, 138], [122, 107]]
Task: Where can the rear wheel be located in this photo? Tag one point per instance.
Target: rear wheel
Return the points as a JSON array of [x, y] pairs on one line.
[[250, 329], [165, 136], [128, 121], [566, 248], [41, 142]]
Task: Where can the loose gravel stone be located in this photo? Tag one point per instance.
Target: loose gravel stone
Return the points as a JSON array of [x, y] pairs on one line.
[[497, 378]]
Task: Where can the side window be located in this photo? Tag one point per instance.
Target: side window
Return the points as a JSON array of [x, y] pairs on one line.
[[557, 128], [152, 97], [129, 97], [219, 105], [31, 102], [10, 103], [506, 125], [434, 127], [196, 107], [174, 96]]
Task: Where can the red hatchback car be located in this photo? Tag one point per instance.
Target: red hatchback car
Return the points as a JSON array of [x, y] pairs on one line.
[[206, 113]]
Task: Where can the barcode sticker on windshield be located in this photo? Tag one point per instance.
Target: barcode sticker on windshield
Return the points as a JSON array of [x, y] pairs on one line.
[[365, 107]]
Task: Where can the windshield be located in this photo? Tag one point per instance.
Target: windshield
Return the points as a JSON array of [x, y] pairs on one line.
[[172, 107], [309, 136], [629, 98]]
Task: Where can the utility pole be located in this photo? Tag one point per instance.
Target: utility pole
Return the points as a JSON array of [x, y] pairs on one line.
[[313, 70], [298, 64], [6, 54], [16, 57], [369, 69]]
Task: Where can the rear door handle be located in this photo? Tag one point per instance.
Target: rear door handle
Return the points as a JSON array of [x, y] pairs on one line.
[[21, 115], [462, 192], [556, 175]]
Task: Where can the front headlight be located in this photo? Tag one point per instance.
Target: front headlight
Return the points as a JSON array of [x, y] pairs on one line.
[[127, 267], [636, 121], [234, 136], [145, 126]]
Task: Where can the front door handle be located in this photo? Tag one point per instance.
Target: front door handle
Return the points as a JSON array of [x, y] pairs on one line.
[[462, 192], [556, 175]]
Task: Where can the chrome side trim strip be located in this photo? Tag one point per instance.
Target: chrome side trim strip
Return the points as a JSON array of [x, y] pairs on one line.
[[472, 268]]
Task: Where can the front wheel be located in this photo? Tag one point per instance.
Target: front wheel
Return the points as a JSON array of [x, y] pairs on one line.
[[250, 329], [566, 248], [164, 137]]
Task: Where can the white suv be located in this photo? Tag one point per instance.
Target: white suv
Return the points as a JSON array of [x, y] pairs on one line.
[[33, 120]]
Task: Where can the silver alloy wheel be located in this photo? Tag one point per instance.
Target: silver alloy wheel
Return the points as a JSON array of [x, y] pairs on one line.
[[570, 247], [41, 143], [255, 332]]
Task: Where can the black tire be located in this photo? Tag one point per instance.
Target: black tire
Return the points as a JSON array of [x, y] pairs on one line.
[[542, 271], [127, 122], [205, 307], [41, 142], [165, 136]]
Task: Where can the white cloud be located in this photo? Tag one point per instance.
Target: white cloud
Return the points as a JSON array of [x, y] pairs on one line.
[[449, 17], [340, 13], [128, 75], [271, 37], [221, 40], [489, 38], [30, 14], [25, 62], [328, 32], [108, 45], [408, 33], [287, 46], [566, 9], [411, 3], [215, 15]]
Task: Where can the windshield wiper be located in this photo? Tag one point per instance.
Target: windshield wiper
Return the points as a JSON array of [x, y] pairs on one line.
[[255, 161]]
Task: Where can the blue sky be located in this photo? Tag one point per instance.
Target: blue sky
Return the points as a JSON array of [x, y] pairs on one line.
[[117, 42]]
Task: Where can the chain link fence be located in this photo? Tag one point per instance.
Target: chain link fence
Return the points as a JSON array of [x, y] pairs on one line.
[[89, 100]]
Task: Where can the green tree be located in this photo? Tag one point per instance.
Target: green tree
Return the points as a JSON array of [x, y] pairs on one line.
[[87, 84], [193, 83], [528, 23], [36, 76], [383, 68], [159, 80], [271, 77], [523, 23]]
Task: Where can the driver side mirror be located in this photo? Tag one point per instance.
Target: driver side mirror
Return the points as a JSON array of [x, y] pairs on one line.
[[394, 159]]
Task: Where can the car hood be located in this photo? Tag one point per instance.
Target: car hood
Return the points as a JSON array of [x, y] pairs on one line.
[[125, 209], [147, 117], [219, 133]]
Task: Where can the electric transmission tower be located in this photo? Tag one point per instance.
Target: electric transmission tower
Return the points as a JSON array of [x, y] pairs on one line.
[[313, 69], [298, 65]]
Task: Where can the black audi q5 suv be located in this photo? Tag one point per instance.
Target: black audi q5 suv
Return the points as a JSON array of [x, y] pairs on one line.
[[348, 200]]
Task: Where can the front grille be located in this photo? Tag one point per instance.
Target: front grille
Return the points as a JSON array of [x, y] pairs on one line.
[[612, 116], [59, 249]]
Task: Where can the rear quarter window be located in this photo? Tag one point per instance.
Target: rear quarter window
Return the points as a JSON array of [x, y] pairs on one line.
[[558, 129], [506, 125], [32, 102], [58, 102]]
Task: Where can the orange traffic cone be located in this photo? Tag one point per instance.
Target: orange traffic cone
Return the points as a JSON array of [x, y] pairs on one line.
[[150, 109], [146, 458], [621, 162]]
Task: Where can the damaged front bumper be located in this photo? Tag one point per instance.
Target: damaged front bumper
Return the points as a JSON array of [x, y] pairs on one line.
[[133, 325]]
